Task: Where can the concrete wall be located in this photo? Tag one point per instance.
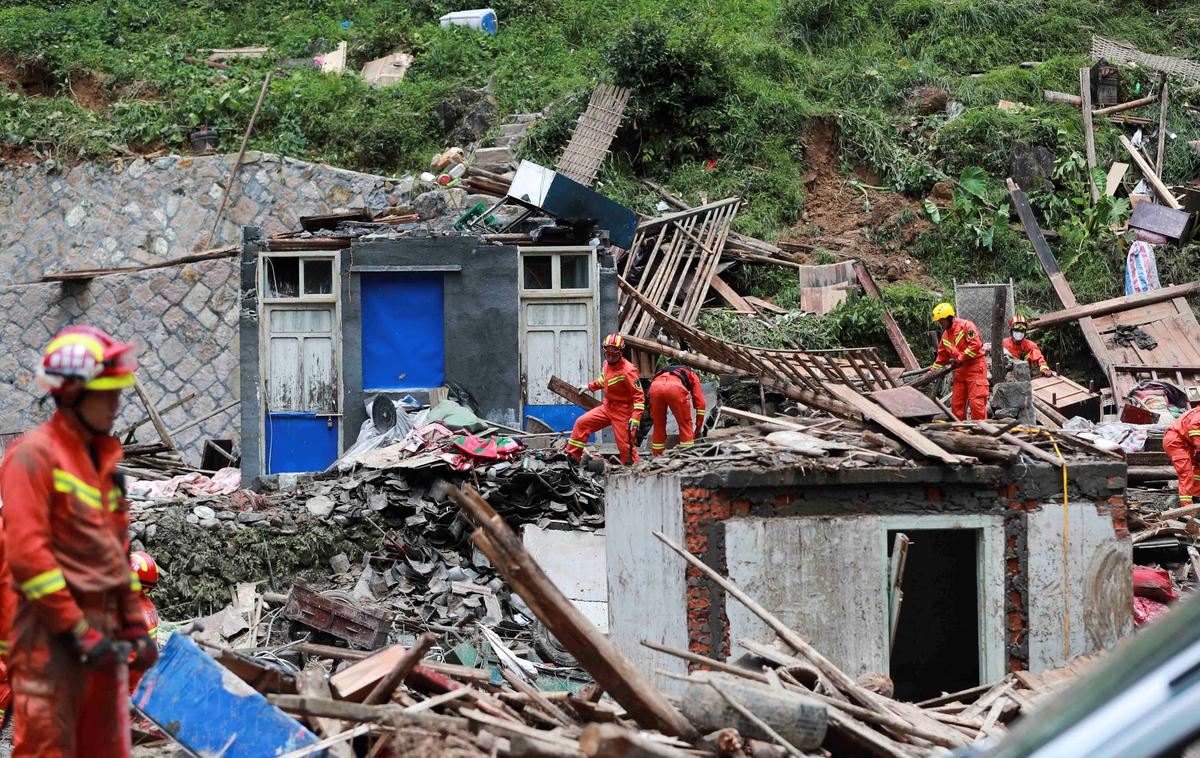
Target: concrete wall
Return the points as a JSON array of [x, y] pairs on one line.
[[182, 318], [1089, 603], [127, 213], [810, 546]]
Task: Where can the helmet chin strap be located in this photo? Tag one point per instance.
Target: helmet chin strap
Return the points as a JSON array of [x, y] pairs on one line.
[[74, 408]]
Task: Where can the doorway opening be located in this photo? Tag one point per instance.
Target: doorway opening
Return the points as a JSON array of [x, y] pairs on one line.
[[937, 647]]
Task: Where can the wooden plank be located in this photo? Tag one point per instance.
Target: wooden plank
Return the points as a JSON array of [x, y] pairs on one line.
[[906, 403], [594, 652], [897, 428], [1113, 305], [155, 419], [382, 691], [895, 336], [1120, 107], [1089, 137], [228, 251], [1050, 265], [312, 683], [1116, 172], [355, 681], [1162, 126], [389, 714], [738, 302], [1149, 175], [570, 392]]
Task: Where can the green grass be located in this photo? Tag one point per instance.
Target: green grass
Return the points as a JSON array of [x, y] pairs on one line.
[[737, 82]]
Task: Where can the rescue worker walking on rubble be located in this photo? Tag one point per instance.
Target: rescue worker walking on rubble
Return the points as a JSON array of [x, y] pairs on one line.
[[1181, 443], [1025, 349], [622, 408], [671, 388], [66, 521], [962, 347]]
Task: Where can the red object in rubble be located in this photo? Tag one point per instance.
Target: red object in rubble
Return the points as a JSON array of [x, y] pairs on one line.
[[1154, 584], [1146, 611]]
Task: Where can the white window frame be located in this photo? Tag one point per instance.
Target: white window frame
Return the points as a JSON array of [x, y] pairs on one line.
[[301, 301], [589, 295]]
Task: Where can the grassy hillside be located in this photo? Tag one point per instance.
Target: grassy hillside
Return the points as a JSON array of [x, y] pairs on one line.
[[743, 82]]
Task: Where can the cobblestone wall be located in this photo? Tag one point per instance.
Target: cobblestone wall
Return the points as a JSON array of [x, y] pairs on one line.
[[128, 213], [183, 320]]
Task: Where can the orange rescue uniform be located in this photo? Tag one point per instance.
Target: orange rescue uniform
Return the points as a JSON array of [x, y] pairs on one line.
[[150, 619], [66, 532], [672, 387], [8, 607], [1027, 350], [962, 343], [623, 398], [1181, 443]]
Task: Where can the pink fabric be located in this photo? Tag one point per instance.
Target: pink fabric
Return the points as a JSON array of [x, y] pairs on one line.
[[223, 482], [1147, 611]]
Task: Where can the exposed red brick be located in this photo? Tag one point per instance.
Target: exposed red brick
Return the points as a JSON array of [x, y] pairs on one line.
[[933, 494]]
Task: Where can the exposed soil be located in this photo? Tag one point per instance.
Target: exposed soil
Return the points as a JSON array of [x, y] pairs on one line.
[[854, 220], [31, 78], [88, 90]]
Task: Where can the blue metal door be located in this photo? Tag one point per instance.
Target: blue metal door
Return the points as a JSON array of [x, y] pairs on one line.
[[403, 331]]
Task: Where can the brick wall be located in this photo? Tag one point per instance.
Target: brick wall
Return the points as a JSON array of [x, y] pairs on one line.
[[183, 319]]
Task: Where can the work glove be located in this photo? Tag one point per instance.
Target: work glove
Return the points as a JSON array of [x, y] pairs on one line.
[[1048, 372], [583, 389], [145, 651], [634, 423], [93, 648], [701, 429]]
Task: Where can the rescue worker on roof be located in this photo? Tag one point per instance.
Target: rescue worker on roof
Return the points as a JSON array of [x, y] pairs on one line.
[[622, 408], [671, 388], [66, 522], [1025, 349], [962, 347], [147, 573], [1181, 443]]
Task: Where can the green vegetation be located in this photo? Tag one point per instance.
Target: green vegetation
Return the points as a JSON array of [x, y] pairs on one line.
[[724, 94]]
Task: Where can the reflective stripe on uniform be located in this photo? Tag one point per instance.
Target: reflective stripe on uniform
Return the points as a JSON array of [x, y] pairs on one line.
[[3, 647], [969, 353], [947, 342], [72, 485], [43, 584], [657, 446], [935, 367], [135, 583], [153, 632], [576, 443], [959, 337], [689, 443], [639, 407], [114, 498], [1194, 432], [615, 379], [1187, 499], [700, 412]]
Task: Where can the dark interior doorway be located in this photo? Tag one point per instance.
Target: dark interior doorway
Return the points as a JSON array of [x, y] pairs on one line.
[[937, 640]]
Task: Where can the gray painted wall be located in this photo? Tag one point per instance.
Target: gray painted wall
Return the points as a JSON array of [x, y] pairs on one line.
[[251, 384], [647, 583], [1095, 611]]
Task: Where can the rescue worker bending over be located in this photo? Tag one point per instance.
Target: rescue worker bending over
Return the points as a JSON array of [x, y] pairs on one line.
[[147, 573], [962, 347], [671, 388], [622, 407], [1181, 443], [1025, 349], [66, 522]]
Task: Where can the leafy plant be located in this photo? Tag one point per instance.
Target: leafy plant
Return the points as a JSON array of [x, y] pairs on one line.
[[971, 209]]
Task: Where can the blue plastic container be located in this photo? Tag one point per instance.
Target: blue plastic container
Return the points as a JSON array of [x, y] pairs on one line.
[[483, 19]]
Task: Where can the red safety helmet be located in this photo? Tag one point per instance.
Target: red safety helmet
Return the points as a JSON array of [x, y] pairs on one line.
[[614, 342], [146, 569], [1015, 320], [88, 353]]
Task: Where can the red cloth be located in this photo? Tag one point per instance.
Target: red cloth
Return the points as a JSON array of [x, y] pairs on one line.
[[1181, 443], [66, 535], [1028, 351], [668, 392], [962, 343], [1146, 611], [150, 619], [623, 398], [8, 607], [1154, 584]]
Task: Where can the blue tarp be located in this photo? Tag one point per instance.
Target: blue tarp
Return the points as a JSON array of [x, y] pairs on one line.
[[403, 331]]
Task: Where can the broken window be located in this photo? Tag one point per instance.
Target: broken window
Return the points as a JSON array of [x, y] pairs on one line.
[[539, 273], [573, 271], [282, 277], [318, 277]]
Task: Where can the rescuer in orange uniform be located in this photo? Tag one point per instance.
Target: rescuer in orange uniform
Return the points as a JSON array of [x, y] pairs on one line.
[[671, 388], [622, 408], [65, 529], [147, 573], [962, 347], [1181, 443], [8, 607], [1024, 349]]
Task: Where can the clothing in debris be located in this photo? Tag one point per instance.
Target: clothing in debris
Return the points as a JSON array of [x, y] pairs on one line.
[[1181, 443], [66, 525], [1028, 351], [962, 346], [623, 398], [671, 389]]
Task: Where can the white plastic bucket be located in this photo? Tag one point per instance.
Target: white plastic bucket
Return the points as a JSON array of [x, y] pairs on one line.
[[483, 19]]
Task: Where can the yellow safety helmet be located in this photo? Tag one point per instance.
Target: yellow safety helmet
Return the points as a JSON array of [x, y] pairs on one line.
[[942, 310]]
